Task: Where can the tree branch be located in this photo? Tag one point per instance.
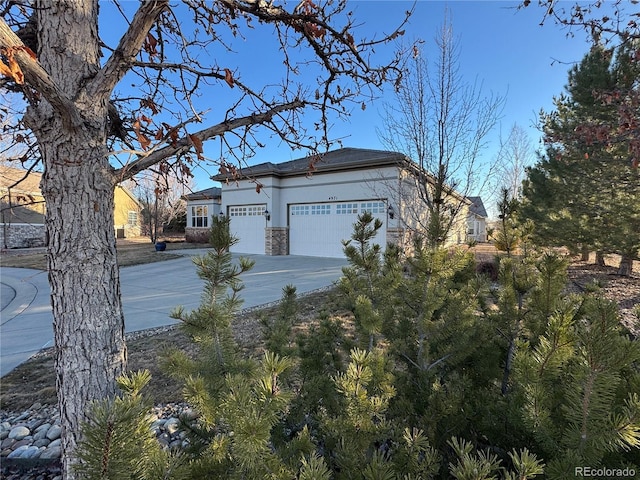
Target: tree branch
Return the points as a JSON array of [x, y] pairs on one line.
[[130, 43], [38, 78], [183, 145]]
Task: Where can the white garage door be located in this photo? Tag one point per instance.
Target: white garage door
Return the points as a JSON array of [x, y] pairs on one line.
[[317, 229], [248, 224]]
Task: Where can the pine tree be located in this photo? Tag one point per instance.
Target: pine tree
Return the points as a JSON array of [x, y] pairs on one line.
[[210, 324], [277, 331], [579, 386], [370, 278], [583, 191], [119, 442]]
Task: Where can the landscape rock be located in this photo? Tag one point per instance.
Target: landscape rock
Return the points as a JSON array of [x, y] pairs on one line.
[[18, 451], [51, 452], [41, 431], [54, 432], [18, 433], [30, 452]]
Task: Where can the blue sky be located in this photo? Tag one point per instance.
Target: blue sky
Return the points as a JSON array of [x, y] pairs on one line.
[[504, 48]]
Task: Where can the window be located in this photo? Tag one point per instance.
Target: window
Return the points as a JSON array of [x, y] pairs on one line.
[[346, 208], [237, 211], [323, 209], [471, 227], [247, 211], [255, 211], [300, 210], [132, 218], [372, 207], [200, 216]]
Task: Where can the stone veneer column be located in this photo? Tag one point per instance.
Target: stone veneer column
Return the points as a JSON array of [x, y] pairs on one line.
[[397, 237], [276, 241]]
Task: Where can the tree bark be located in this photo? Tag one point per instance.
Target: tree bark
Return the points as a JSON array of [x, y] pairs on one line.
[[584, 254], [78, 188], [85, 285], [625, 268]]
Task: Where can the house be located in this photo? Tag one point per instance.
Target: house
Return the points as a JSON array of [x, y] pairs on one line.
[[200, 207], [477, 221], [308, 206], [22, 210], [126, 213]]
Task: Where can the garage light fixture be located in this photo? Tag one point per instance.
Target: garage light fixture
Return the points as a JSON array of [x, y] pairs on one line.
[[391, 212], [267, 215]]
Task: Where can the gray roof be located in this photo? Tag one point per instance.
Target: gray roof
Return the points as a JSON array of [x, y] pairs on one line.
[[341, 159], [206, 194], [477, 207]]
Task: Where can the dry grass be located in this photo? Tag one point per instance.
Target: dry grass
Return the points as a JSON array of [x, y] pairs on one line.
[[130, 252]]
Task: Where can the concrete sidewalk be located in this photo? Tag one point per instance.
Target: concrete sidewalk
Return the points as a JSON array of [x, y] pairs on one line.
[[149, 293]]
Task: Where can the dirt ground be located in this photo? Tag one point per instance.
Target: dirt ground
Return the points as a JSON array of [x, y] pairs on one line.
[[34, 381]]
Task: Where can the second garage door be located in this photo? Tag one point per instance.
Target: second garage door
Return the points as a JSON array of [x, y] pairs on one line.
[[317, 229]]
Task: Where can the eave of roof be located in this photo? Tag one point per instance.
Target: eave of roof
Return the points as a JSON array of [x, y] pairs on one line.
[[336, 160], [206, 194]]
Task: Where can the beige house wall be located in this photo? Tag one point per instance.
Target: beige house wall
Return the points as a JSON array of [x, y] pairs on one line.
[[126, 214]]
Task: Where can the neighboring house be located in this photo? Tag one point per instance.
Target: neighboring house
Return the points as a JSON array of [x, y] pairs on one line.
[[22, 210], [308, 206], [201, 206], [477, 221], [126, 213]]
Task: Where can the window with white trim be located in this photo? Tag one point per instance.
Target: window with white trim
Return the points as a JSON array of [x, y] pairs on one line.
[[300, 210], [346, 208], [322, 209], [372, 207], [199, 216], [132, 218]]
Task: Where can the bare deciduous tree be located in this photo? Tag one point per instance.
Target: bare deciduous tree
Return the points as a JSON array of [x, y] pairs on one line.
[[441, 122], [515, 154], [52, 53], [161, 194]]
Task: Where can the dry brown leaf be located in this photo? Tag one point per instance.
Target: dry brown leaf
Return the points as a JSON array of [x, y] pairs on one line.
[[197, 144], [228, 77], [11, 69], [142, 138]]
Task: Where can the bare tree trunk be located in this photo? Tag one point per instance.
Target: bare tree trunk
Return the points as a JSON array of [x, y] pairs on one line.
[[83, 274], [78, 187], [625, 268], [584, 254]]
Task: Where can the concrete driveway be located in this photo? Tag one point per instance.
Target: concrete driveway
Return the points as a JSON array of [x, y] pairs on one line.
[[149, 293]]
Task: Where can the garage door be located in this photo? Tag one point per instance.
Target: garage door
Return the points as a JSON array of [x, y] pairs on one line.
[[317, 229], [248, 224]]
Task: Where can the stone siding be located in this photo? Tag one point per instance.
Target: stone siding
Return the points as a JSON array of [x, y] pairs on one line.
[[277, 241], [22, 235]]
